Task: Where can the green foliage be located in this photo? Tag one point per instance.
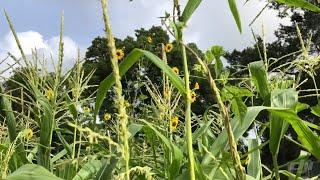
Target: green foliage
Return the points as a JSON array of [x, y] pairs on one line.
[[32, 171]]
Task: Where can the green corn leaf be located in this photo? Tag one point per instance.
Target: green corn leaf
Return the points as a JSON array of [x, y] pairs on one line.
[[176, 152], [217, 52], [305, 135], [32, 172], [238, 130], [259, 77], [191, 6], [134, 129], [254, 168], [235, 13], [301, 4], [285, 98], [238, 108], [105, 171], [88, 170], [308, 138], [127, 63]]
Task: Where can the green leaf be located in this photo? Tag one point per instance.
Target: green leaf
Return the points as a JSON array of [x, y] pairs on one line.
[[88, 170], [126, 64], [134, 129], [106, 170], [260, 80], [254, 168], [177, 154], [235, 13], [238, 108], [238, 130], [284, 98], [300, 3], [301, 106], [316, 109], [230, 92], [191, 6], [217, 52], [308, 138], [32, 172]]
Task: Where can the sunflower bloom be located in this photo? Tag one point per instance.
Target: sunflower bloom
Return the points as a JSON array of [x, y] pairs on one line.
[[175, 70], [49, 94], [107, 117], [28, 133], [168, 47], [174, 123], [149, 39], [119, 54], [196, 86], [86, 110], [193, 97]]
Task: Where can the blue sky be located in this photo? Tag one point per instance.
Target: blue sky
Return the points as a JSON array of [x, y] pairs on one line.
[[37, 22]]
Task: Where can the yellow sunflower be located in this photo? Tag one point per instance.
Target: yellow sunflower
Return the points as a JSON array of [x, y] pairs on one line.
[[149, 39], [168, 47], [107, 117], [193, 96], [49, 94], [119, 54], [174, 123], [28, 133], [86, 110], [175, 70], [196, 86]]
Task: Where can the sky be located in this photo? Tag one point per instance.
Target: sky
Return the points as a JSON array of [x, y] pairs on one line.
[[37, 23]]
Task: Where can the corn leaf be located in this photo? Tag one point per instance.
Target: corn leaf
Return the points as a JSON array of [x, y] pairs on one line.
[[191, 6], [235, 13], [259, 77], [301, 4], [32, 172], [254, 168], [127, 63]]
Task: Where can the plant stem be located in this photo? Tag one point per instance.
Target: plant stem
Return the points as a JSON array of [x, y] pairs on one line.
[[225, 115], [188, 114], [123, 118], [275, 166]]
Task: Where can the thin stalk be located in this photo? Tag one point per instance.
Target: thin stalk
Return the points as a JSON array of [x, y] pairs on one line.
[[225, 115], [275, 166], [123, 118], [188, 114]]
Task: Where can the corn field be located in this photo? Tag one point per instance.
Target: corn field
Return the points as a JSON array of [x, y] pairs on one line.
[[57, 132]]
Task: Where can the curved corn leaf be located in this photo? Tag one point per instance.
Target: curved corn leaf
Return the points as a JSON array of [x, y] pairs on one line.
[[260, 80], [300, 3], [254, 168], [105, 171], [177, 155], [127, 63], [32, 172], [308, 139], [284, 98], [235, 13], [88, 170], [189, 9]]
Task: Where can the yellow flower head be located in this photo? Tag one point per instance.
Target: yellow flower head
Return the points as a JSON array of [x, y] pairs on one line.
[[196, 86], [107, 117], [119, 54], [28, 133], [193, 96], [168, 47], [174, 123], [49, 94], [175, 70], [149, 39], [86, 110]]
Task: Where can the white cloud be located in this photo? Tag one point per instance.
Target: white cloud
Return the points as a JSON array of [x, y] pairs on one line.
[[46, 48]]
